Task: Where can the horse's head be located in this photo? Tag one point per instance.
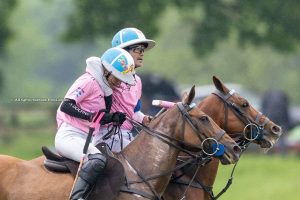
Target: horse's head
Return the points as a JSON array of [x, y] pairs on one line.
[[200, 130], [240, 119]]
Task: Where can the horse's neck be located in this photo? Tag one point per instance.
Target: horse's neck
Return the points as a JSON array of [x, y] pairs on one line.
[[208, 173], [150, 156], [146, 148]]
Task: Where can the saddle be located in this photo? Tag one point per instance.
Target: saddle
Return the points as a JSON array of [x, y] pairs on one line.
[[108, 184]]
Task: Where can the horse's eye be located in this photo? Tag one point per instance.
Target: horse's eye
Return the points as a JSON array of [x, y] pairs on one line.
[[204, 118], [245, 105]]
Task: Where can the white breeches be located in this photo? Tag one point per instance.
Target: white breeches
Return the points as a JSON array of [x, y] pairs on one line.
[[69, 142]]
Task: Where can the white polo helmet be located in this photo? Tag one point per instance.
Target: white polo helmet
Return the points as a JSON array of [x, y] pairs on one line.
[[120, 63], [130, 36]]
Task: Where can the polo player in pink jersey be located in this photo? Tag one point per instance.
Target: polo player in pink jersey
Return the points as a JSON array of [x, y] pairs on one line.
[[127, 98], [85, 98]]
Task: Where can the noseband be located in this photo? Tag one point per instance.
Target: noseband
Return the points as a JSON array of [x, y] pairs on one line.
[[256, 128]]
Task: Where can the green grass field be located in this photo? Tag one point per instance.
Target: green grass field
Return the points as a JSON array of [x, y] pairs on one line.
[[24, 139], [28, 146], [260, 177]]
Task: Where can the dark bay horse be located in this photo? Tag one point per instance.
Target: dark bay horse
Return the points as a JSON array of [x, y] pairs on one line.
[[235, 115], [152, 152]]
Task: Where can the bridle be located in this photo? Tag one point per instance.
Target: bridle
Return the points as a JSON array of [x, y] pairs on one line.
[[197, 154], [256, 134], [256, 128]]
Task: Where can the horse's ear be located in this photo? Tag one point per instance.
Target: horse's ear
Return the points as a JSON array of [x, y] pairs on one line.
[[184, 96], [188, 98], [219, 85]]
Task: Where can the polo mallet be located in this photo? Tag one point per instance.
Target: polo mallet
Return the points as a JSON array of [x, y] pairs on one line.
[[163, 104], [94, 123]]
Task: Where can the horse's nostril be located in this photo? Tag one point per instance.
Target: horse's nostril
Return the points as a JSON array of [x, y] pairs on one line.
[[276, 129], [237, 149]]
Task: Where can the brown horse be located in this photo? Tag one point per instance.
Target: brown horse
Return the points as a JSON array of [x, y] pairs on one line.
[[236, 116], [153, 152]]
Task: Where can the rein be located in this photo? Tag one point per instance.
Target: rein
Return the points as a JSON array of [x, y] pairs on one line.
[[114, 129]]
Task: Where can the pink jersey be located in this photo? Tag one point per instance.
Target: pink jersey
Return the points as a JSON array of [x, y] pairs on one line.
[[88, 96], [125, 99]]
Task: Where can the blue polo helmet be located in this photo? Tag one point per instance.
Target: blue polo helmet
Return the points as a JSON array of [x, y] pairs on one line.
[[131, 36], [120, 63]]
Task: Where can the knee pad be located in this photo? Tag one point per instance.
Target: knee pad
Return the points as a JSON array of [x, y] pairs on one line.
[[93, 167]]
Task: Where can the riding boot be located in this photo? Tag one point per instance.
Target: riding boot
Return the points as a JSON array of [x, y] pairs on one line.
[[88, 175]]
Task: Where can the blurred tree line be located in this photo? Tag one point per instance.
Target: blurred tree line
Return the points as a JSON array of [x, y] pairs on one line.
[[257, 22], [6, 7], [234, 38]]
